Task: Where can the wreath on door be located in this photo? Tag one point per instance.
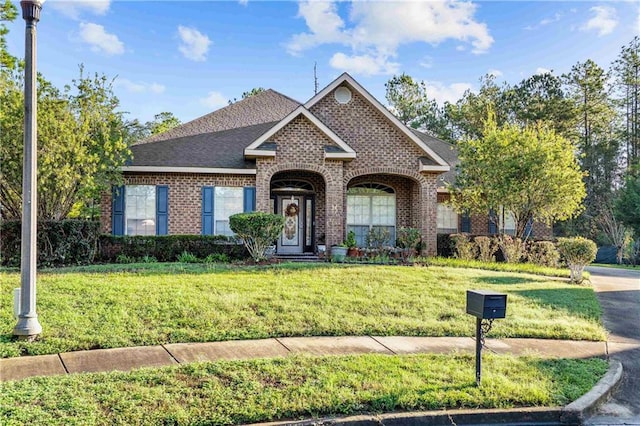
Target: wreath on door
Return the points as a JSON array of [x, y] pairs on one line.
[[292, 210]]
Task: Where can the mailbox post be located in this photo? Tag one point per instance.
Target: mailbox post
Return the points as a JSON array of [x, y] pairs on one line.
[[486, 306]]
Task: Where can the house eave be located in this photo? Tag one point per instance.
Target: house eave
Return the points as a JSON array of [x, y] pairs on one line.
[[432, 168], [199, 170], [255, 153], [339, 155]]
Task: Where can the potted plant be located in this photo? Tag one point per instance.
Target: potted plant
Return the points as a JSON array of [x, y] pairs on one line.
[[338, 253], [321, 246], [351, 244]]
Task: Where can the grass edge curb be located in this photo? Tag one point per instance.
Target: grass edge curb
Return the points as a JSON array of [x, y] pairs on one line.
[[581, 408]]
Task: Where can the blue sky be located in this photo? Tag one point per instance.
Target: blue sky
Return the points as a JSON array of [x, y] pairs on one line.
[[191, 57]]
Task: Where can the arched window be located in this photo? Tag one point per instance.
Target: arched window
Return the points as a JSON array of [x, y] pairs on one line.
[[371, 207]]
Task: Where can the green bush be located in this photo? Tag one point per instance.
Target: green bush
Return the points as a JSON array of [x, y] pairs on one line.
[[186, 257], [543, 253], [513, 249], [445, 245], [166, 248], [577, 252], [463, 248], [60, 243], [487, 248], [351, 240], [257, 230], [408, 238]]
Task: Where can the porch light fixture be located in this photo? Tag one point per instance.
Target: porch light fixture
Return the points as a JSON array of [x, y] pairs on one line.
[[28, 325]]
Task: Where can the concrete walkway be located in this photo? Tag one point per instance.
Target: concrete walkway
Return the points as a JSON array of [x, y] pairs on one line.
[[125, 359], [618, 291]]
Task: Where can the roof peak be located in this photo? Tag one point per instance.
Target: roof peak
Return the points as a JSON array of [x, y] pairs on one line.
[[263, 107]]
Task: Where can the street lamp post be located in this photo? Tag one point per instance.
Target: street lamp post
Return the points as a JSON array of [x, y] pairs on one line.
[[28, 325]]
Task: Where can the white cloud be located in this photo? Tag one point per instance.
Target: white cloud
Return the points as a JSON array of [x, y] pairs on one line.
[[364, 64], [195, 45], [427, 62], [449, 93], [495, 73], [243, 2], [541, 70], [140, 87], [375, 30], [100, 40], [73, 9], [214, 100], [604, 21], [545, 21]]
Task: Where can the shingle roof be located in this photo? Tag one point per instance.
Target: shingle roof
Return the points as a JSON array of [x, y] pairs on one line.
[[446, 151], [265, 107], [223, 149]]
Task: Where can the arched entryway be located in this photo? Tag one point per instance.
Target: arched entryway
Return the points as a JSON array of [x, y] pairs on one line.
[[379, 204], [299, 196]]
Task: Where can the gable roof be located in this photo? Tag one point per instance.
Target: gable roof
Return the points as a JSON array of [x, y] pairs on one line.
[[255, 149], [264, 107], [440, 164], [213, 150], [446, 151]]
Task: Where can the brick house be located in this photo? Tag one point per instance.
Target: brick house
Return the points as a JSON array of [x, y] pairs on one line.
[[339, 162]]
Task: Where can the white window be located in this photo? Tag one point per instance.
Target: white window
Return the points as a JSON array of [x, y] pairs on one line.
[[140, 209], [507, 222], [447, 219], [227, 201], [371, 207]]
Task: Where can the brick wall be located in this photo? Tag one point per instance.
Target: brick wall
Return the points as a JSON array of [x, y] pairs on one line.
[[185, 197], [480, 223]]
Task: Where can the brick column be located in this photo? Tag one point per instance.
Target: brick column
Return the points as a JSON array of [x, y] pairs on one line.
[[335, 204], [264, 172], [428, 206]]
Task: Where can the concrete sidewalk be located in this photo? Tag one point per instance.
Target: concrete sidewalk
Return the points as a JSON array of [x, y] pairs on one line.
[[126, 359]]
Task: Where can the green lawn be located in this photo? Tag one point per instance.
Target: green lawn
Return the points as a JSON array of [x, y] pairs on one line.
[[116, 306], [236, 392]]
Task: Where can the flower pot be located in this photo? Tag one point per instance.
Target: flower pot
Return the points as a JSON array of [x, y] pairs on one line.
[[338, 253], [352, 252]]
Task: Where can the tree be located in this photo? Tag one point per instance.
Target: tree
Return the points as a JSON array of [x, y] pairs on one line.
[[407, 99], [614, 230], [627, 205], [161, 123], [531, 173], [468, 116], [596, 142], [541, 99], [626, 70], [80, 144], [245, 95], [8, 12]]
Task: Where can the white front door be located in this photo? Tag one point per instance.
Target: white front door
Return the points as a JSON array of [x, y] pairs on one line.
[[291, 240]]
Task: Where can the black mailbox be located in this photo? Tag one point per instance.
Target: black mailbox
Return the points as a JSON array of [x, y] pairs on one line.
[[486, 304]]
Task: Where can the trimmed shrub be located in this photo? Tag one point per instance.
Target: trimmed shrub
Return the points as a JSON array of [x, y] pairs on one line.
[[257, 230], [463, 248], [513, 249], [577, 252], [445, 245], [543, 253], [487, 248], [60, 243], [167, 248]]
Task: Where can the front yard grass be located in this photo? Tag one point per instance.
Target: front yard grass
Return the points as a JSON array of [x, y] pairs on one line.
[[235, 392], [131, 305]]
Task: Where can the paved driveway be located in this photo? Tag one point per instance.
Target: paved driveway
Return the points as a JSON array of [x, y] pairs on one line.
[[618, 291]]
